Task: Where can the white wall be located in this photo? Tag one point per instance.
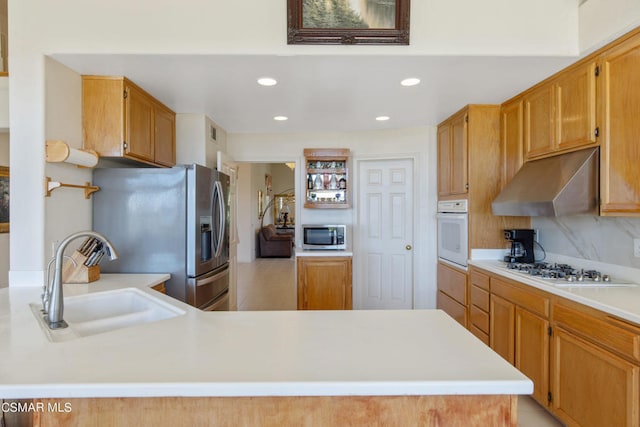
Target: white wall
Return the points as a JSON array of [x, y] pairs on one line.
[[194, 143], [603, 20], [418, 143], [67, 209]]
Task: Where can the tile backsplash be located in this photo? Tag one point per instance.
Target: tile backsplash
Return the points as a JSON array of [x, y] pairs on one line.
[[604, 239]]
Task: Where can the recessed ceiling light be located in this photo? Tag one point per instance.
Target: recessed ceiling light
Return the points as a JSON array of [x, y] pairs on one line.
[[281, 118], [412, 81], [267, 81], [382, 118]]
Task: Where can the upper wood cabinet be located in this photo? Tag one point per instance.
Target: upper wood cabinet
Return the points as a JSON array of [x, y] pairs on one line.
[[122, 121], [511, 138], [619, 110], [452, 155], [560, 114]]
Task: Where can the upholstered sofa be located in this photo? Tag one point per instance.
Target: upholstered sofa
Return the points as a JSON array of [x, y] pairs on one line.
[[273, 244]]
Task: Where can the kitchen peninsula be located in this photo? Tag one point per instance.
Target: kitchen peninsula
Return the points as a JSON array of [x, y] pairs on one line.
[[402, 367]]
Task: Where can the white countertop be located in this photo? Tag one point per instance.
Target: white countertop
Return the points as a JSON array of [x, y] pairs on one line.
[[623, 302], [323, 253], [267, 353]]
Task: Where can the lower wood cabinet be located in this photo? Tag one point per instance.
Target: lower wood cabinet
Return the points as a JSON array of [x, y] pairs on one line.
[[160, 288], [584, 363], [324, 283], [452, 292]]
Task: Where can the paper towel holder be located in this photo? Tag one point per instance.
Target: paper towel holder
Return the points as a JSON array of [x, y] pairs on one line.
[[59, 151]]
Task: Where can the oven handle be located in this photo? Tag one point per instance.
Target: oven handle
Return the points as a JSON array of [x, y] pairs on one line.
[[441, 215]]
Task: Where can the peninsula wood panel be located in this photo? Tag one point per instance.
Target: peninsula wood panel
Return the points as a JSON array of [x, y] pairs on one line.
[[320, 411]]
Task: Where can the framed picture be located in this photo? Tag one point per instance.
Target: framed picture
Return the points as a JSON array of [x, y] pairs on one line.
[[348, 22], [4, 199]]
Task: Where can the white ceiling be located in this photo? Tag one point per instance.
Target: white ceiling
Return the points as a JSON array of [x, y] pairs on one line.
[[321, 93]]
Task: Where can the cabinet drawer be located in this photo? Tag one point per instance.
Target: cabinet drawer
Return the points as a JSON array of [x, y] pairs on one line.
[[526, 299], [452, 308], [480, 280], [604, 333], [453, 283], [479, 298], [479, 334], [479, 318]]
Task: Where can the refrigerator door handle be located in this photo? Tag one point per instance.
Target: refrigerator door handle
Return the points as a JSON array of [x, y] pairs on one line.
[[218, 197]]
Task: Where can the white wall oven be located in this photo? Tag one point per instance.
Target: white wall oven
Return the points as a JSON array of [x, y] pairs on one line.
[[453, 231]]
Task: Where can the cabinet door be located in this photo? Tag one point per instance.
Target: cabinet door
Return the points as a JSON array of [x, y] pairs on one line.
[[592, 387], [619, 109], [532, 351], [576, 107], [511, 131], [539, 122], [324, 283], [444, 159], [452, 307], [502, 328], [164, 136], [459, 179], [139, 125]]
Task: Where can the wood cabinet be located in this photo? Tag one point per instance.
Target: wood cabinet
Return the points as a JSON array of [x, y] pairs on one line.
[[452, 292], [479, 307], [452, 155], [122, 121], [585, 364], [324, 283], [511, 138], [595, 372], [160, 287], [619, 109], [519, 331], [560, 113], [469, 165], [327, 178]]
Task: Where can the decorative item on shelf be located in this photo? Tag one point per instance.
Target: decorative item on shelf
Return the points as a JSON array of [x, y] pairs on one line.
[[333, 182], [342, 183], [318, 184], [59, 151], [52, 185]]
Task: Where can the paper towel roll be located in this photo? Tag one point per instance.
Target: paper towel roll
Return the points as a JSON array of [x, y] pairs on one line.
[[59, 151]]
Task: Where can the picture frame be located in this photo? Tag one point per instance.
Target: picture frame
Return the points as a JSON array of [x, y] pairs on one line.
[[308, 22], [4, 199]]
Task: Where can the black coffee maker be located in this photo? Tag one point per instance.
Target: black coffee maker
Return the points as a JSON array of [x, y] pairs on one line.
[[521, 249]]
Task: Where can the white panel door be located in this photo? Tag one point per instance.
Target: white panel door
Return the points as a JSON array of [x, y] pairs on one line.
[[385, 235], [228, 166]]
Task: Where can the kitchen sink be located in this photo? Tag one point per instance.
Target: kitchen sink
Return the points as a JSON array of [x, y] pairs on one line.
[[100, 312]]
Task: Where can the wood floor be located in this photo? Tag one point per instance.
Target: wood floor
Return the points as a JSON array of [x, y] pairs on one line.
[[269, 284]]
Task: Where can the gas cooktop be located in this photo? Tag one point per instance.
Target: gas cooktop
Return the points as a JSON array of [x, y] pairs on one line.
[[565, 275]]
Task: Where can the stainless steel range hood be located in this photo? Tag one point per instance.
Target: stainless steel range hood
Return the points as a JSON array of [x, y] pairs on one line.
[[560, 185]]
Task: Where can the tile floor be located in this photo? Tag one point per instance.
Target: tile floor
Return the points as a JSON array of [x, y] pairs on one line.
[[269, 284]]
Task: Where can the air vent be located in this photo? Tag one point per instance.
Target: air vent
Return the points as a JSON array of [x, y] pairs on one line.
[[212, 132]]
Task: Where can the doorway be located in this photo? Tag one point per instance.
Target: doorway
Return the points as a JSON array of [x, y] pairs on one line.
[[385, 234]]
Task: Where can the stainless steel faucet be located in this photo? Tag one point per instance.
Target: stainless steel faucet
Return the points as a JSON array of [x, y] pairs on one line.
[[55, 308]]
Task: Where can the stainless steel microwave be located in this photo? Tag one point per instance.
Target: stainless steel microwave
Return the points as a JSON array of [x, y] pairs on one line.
[[325, 237]]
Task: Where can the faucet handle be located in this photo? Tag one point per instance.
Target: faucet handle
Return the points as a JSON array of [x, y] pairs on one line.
[[46, 287]]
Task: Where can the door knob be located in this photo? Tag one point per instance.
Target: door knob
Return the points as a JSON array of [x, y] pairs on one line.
[[408, 247]]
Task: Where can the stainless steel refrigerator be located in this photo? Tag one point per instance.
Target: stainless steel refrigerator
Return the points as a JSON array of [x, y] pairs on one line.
[[168, 221]]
